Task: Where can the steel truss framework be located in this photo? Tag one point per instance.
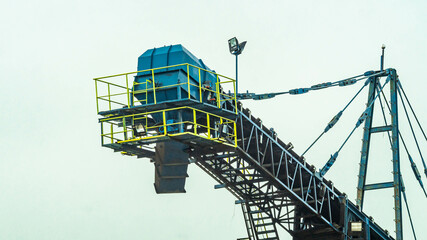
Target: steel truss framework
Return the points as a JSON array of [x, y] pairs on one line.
[[275, 187], [279, 189]]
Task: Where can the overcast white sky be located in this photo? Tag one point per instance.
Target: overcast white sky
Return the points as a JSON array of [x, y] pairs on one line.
[[57, 182]]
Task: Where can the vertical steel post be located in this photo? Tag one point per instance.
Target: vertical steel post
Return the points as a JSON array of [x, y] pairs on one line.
[[235, 95], [194, 121], [235, 134], [188, 81], [297, 219], [127, 90], [96, 92], [112, 134], [154, 88], [109, 97], [365, 145], [396, 155], [133, 93], [164, 124], [382, 58], [124, 128], [208, 125], [102, 133], [346, 218], [237, 85], [367, 229], [133, 123], [181, 124], [218, 95], [200, 86]]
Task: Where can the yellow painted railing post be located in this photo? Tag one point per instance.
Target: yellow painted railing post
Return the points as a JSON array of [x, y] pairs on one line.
[[127, 90], [133, 94], [218, 97], [109, 97], [235, 135], [195, 121], [96, 91], [209, 125], [219, 133], [164, 123], [146, 91], [200, 86], [154, 86], [188, 80]]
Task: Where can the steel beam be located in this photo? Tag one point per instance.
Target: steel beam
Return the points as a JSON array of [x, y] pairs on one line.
[[376, 186], [381, 129]]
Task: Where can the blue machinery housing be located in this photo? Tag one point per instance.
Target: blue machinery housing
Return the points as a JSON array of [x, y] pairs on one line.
[[173, 76], [181, 106]]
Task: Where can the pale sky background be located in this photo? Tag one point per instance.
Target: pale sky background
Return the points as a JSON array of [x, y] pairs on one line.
[[57, 182]]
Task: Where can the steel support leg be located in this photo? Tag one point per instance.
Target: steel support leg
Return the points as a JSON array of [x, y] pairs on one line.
[[396, 156], [365, 145], [367, 230]]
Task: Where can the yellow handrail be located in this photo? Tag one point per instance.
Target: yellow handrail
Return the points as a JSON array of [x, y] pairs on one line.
[[161, 130], [159, 111], [127, 96]]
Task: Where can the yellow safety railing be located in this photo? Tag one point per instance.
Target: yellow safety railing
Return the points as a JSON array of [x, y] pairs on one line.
[[116, 91], [172, 122]]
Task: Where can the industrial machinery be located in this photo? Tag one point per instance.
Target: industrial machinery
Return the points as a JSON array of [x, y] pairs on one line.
[[175, 110]]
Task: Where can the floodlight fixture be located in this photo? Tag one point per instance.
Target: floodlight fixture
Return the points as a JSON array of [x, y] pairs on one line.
[[138, 130], [233, 45], [236, 49], [356, 226], [356, 229]]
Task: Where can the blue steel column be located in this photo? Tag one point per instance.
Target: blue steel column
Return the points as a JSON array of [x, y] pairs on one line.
[[367, 229], [396, 155], [365, 145]]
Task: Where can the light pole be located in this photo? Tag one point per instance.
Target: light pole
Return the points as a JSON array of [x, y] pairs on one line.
[[236, 49], [382, 57]]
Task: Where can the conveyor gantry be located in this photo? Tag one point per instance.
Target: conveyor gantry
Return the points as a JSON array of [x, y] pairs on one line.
[[177, 103]]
